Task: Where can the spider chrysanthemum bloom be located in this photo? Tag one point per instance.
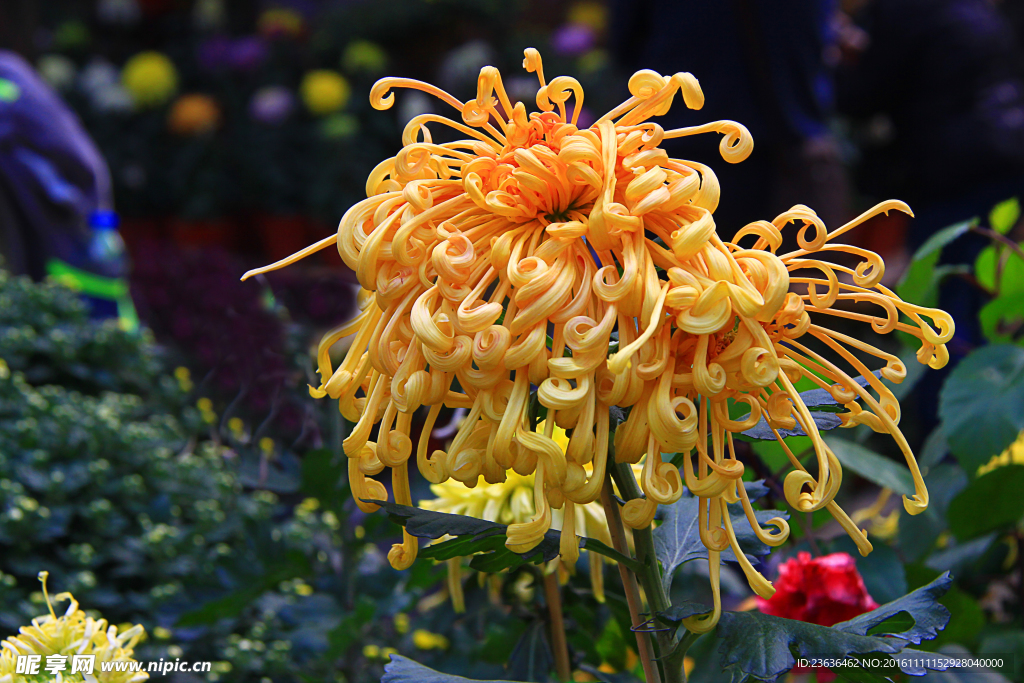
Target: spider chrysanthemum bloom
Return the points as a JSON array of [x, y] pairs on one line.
[[584, 266], [73, 633]]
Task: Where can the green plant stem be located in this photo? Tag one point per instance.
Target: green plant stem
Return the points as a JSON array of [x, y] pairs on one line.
[[553, 596], [645, 649], [651, 579]]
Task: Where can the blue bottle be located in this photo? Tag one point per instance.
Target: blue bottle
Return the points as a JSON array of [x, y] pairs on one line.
[[105, 286]]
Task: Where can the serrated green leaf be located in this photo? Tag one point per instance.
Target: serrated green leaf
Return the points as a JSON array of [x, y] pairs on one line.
[[872, 466], [472, 536], [1004, 215], [922, 605], [980, 404], [403, 670], [762, 646], [989, 503], [677, 539]]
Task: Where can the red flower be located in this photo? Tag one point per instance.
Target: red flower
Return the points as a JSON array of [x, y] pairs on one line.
[[822, 590]]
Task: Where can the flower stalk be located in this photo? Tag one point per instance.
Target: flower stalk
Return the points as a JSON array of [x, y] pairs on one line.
[[629, 583], [553, 596], [650, 576]]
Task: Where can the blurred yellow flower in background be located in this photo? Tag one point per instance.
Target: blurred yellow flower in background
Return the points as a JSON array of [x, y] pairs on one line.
[[150, 78], [324, 91]]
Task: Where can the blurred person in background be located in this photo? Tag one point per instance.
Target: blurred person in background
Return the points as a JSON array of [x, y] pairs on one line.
[[766, 64], [938, 83], [56, 213]]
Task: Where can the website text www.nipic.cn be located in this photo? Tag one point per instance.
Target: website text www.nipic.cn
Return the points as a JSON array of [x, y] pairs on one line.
[[86, 664]]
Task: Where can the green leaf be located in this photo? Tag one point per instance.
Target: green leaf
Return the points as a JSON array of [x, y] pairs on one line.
[[472, 536], [874, 467], [989, 503], [677, 539], [980, 404], [819, 401], [323, 477], [1002, 319], [403, 670], [1011, 280], [960, 556], [531, 660], [683, 610], [881, 570], [825, 421], [919, 281], [762, 646], [922, 605], [918, 533], [1005, 643], [1004, 215]]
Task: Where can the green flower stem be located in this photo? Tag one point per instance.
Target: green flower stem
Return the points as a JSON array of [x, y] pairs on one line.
[[645, 649], [651, 579], [553, 596]]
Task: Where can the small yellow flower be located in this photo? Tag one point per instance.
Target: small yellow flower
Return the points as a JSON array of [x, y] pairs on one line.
[[371, 651], [267, 445], [324, 91], [425, 640], [401, 623], [5, 371], [184, 378], [73, 633], [150, 78], [237, 427]]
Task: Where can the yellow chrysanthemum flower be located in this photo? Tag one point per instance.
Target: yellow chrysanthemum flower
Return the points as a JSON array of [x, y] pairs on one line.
[[74, 633], [586, 263], [513, 501], [150, 78]]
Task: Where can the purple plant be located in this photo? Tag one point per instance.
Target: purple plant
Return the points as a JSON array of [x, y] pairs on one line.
[[573, 39]]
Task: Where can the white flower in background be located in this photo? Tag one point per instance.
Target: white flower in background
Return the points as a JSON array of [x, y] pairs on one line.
[[124, 12], [415, 104], [97, 73], [57, 70], [112, 98], [462, 65], [208, 14]]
